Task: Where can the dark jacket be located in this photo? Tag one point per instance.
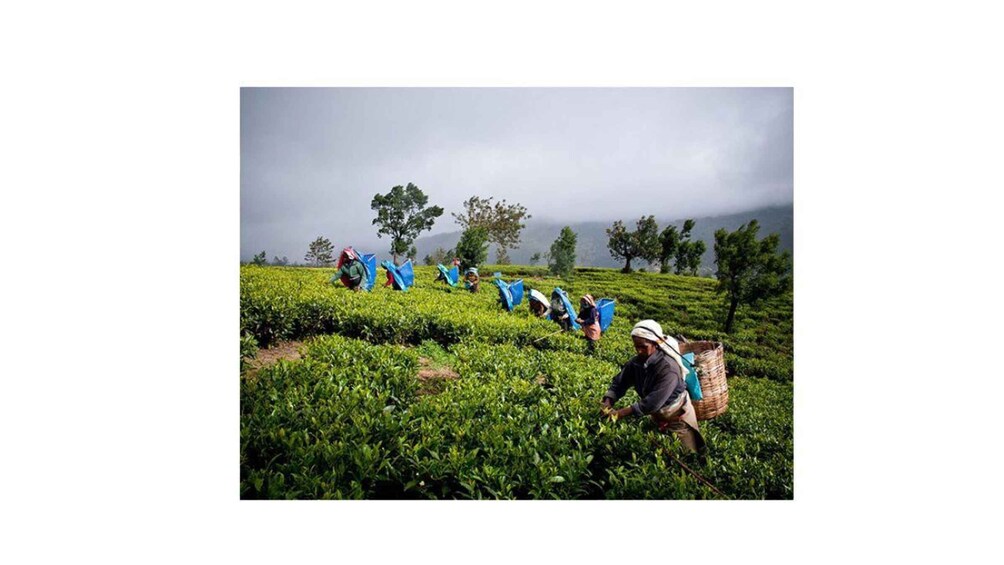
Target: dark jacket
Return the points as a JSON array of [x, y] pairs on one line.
[[589, 315], [657, 381]]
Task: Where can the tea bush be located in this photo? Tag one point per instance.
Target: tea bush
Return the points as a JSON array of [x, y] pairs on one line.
[[522, 418]]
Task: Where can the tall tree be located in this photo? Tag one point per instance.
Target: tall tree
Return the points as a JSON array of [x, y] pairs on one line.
[[402, 214], [669, 239], [535, 258], [561, 260], [695, 250], [472, 249], [502, 220], [749, 271], [320, 252], [259, 259], [643, 243], [280, 262], [688, 253]]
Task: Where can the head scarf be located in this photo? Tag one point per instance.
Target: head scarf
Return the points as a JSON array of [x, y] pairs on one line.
[[472, 271], [652, 331], [588, 299], [538, 296], [350, 253]]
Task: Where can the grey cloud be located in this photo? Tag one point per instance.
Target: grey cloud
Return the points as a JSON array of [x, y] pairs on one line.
[[312, 159]]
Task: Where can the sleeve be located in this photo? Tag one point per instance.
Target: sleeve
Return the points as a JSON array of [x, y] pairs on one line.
[[665, 384], [344, 270], [620, 384]]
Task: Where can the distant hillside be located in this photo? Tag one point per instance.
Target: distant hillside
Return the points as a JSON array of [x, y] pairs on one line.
[[592, 251]]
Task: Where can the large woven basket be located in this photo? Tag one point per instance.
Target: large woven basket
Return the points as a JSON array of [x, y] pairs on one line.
[[709, 358]]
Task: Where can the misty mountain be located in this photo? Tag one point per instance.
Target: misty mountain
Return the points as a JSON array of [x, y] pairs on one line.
[[591, 249]]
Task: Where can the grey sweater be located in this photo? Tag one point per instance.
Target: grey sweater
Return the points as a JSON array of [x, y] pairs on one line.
[[657, 381]]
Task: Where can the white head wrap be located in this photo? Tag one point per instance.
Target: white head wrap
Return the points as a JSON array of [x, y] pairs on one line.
[[652, 331], [538, 296]]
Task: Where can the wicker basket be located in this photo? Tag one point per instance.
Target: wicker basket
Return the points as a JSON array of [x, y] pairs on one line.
[[709, 359]]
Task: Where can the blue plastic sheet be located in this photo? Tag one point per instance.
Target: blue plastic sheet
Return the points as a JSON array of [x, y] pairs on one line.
[[407, 274], [605, 306], [369, 262], [404, 276], [505, 297], [510, 295], [452, 276], [568, 308], [693, 384], [516, 288]]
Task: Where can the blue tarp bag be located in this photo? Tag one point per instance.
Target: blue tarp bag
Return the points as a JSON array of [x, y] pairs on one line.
[[605, 306], [370, 264], [568, 308], [510, 295], [693, 384], [516, 288], [452, 277], [404, 276], [407, 274], [505, 297]]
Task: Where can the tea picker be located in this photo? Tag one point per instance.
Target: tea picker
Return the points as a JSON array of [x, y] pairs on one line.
[[538, 304], [471, 279], [658, 374], [403, 277], [510, 295], [450, 277], [562, 311], [356, 271]]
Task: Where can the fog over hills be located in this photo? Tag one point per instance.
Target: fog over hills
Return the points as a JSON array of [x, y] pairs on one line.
[[312, 160], [591, 249]]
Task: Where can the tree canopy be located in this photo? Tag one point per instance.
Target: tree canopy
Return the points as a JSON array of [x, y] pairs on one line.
[[402, 214], [676, 246], [669, 240], [320, 252], [503, 222], [749, 271], [643, 243], [688, 253], [472, 249], [561, 259]]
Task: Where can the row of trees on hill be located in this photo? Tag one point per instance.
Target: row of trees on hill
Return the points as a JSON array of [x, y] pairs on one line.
[[260, 259], [669, 248], [748, 270]]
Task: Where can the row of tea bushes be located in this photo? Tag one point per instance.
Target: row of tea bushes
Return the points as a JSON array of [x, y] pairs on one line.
[[347, 421], [289, 303]]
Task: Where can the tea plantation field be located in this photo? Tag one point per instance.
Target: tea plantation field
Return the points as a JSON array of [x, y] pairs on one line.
[[518, 417]]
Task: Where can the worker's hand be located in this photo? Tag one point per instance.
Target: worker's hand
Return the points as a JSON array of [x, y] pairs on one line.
[[618, 414], [606, 406]]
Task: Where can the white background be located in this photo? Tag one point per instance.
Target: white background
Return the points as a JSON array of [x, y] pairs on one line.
[[120, 224]]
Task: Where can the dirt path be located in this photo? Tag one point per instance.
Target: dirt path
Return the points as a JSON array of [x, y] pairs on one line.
[[288, 350], [433, 378]]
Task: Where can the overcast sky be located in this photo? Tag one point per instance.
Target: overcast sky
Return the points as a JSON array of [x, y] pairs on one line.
[[312, 158]]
